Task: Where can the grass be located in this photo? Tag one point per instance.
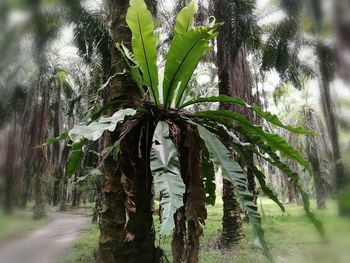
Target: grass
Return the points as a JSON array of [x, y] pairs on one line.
[[291, 237], [85, 247], [17, 224]]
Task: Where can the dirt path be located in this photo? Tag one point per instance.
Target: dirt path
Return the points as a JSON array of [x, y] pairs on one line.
[[47, 244]]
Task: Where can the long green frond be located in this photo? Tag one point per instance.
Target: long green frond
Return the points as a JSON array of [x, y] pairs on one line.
[[140, 22], [184, 20], [185, 51], [244, 126], [272, 118], [167, 178], [234, 173]]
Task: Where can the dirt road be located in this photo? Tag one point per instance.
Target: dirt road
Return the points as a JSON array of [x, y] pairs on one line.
[[48, 244]]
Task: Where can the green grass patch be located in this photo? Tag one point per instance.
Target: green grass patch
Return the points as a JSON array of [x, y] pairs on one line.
[[291, 236], [17, 224], [85, 247]]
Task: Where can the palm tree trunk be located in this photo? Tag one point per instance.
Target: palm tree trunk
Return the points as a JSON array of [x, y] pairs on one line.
[[186, 248], [40, 158], [331, 120], [319, 183], [232, 231], [75, 192], [112, 246], [234, 80], [313, 153], [10, 171], [137, 180], [26, 190], [64, 196]]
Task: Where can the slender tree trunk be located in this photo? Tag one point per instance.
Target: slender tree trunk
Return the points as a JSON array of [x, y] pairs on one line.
[[40, 159], [188, 218], [75, 191], [313, 154], [56, 147], [64, 196], [39, 210], [234, 80], [26, 190], [318, 182], [331, 120], [27, 120], [10, 171]]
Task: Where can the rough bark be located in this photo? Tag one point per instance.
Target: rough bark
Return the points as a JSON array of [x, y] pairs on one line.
[[56, 148], [234, 80], [113, 219], [137, 180], [231, 219], [188, 219], [40, 127]]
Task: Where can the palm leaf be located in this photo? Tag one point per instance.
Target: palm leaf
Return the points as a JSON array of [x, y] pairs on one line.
[[76, 157], [264, 187], [244, 150], [272, 118], [261, 138], [140, 22], [274, 160], [234, 173]]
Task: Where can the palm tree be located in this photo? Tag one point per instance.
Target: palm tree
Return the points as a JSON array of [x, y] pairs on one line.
[[240, 30], [325, 68], [121, 88]]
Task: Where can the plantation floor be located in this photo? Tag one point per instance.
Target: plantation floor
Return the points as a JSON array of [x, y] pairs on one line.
[[290, 235], [18, 224], [46, 244]]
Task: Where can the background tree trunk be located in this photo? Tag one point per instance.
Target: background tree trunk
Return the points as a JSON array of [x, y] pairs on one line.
[[331, 119], [233, 81], [11, 166], [41, 119], [313, 151]]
